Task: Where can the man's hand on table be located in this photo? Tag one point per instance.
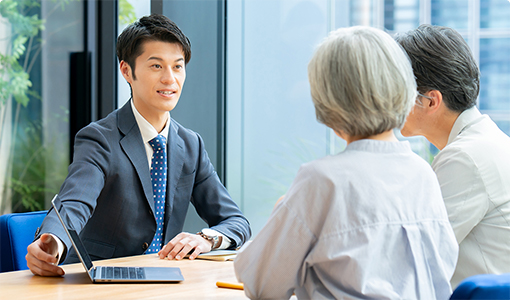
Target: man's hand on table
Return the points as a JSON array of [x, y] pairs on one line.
[[41, 257], [182, 244]]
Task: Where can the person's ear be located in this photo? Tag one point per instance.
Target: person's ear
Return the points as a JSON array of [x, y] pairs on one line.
[[126, 71], [432, 101]]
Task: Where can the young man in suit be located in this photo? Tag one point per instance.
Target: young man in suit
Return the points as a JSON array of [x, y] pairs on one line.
[[473, 166], [135, 172]]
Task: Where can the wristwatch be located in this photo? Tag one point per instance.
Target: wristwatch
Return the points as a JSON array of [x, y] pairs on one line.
[[210, 235]]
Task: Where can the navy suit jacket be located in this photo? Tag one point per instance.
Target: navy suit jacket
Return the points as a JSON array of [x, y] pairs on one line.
[[108, 190]]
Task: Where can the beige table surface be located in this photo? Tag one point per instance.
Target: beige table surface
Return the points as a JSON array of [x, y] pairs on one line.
[[200, 277]]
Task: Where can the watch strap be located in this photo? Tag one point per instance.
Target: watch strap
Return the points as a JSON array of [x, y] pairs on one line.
[[216, 240]]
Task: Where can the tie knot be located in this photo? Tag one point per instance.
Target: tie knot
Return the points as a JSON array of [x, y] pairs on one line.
[[158, 142]]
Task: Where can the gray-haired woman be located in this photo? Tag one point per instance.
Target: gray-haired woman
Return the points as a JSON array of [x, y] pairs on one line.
[[368, 222]]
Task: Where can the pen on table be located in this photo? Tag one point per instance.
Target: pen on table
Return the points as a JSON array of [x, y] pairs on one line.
[[228, 285]]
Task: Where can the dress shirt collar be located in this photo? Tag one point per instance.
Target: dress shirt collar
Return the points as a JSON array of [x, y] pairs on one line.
[[463, 120], [377, 146], [146, 129]]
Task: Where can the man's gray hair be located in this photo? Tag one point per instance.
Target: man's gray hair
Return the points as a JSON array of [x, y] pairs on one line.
[[361, 82], [442, 61]]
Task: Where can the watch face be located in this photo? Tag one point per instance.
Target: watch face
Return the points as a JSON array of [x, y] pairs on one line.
[[216, 242]]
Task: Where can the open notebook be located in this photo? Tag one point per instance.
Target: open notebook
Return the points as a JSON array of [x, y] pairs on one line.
[[105, 274], [219, 255]]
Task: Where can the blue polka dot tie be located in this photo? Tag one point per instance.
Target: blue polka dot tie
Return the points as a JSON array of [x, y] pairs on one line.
[[158, 178]]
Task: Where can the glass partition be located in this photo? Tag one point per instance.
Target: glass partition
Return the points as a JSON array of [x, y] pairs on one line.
[[271, 126]]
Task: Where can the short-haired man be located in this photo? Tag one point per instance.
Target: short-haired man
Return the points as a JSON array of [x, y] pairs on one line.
[[128, 189], [473, 166]]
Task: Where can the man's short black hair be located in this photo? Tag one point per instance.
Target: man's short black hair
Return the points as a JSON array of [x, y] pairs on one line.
[[442, 61], [149, 28]]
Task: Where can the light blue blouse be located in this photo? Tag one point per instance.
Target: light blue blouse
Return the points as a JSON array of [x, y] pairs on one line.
[[369, 222]]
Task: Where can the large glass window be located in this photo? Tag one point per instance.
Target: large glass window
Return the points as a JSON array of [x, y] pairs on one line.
[[36, 39], [495, 70], [494, 14], [271, 125], [492, 47], [361, 12], [401, 15]]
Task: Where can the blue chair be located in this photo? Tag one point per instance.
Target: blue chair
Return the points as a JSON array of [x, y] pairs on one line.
[[484, 286], [16, 233]]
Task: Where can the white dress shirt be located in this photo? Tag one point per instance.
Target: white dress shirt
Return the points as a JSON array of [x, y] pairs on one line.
[[474, 173], [369, 222], [148, 132]]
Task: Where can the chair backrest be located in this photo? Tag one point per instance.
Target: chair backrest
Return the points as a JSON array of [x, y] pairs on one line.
[[16, 233], [483, 286]]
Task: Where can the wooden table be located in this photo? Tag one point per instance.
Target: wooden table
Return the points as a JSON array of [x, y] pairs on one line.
[[200, 277]]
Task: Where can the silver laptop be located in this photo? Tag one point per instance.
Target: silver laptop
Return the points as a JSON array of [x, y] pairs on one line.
[[104, 274]]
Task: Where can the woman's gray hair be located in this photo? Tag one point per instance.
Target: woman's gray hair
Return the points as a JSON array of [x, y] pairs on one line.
[[361, 82]]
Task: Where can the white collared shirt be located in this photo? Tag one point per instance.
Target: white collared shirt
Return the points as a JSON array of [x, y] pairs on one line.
[[474, 173], [148, 131]]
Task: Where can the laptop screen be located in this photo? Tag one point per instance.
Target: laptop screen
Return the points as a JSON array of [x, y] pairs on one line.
[[75, 239]]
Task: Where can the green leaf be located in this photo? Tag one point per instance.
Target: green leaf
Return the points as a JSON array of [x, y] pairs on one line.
[[20, 83], [126, 12], [8, 7], [18, 46]]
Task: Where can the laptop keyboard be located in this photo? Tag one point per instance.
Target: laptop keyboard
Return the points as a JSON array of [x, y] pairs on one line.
[[122, 273]]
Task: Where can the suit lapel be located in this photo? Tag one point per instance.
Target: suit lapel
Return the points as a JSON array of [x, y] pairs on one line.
[[175, 156], [133, 146]]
